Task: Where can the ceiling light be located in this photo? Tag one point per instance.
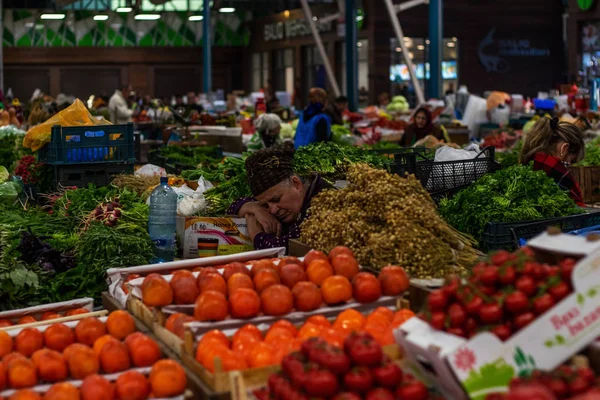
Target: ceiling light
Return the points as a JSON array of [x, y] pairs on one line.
[[420, 47], [454, 39], [124, 9], [226, 9], [398, 50], [147, 17], [451, 44], [286, 13], [196, 18], [359, 18], [315, 18], [52, 16], [427, 41], [359, 44], [100, 17], [411, 55]]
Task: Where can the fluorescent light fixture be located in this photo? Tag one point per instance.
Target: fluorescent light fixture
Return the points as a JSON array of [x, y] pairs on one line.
[[359, 44], [451, 44], [124, 9], [315, 18], [359, 18], [100, 17], [226, 9], [398, 50], [196, 18], [427, 41], [411, 55], [147, 17], [454, 39], [52, 16], [420, 47]]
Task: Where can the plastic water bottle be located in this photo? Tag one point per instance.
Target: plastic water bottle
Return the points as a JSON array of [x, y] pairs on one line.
[[162, 221]]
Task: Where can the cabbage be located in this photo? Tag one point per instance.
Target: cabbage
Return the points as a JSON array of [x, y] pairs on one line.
[[287, 131], [295, 123]]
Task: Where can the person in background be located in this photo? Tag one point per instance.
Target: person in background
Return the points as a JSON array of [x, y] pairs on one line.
[[384, 100], [274, 105], [421, 127], [280, 197], [450, 89], [552, 145], [192, 103], [336, 111], [313, 125], [267, 127], [120, 113]]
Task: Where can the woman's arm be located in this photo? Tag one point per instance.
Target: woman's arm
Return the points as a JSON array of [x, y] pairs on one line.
[[268, 241], [242, 206]]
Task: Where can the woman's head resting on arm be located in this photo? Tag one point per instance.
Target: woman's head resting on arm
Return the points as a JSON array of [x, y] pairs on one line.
[[273, 182], [563, 140]]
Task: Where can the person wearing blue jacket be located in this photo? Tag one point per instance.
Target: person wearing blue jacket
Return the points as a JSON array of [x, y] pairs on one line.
[[314, 125]]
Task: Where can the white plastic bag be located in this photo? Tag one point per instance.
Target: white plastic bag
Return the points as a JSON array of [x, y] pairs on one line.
[[203, 185], [151, 170], [455, 174]]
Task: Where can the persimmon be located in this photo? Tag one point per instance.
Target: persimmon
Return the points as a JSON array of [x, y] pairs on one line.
[[77, 311], [2, 377], [129, 277], [366, 287], [21, 373], [185, 287], [248, 333], [88, 330], [345, 265], [206, 347], [262, 265], [95, 387], [25, 394], [244, 303], [284, 324], [167, 379], [208, 354], [349, 321], [235, 268], [82, 360], [307, 296], [58, 337], [318, 271], [211, 306], [101, 341], [144, 351], [265, 278], [120, 324], [6, 343], [28, 319], [238, 281], [292, 274], [277, 300], [132, 385], [156, 291], [394, 280], [336, 251], [401, 316], [179, 325], [51, 365], [336, 289], [4, 323], [217, 335], [290, 260], [233, 361], [114, 357], [28, 341], [309, 330], [62, 391], [170, 322], [212, 282], [319, 320], [384, 311], [277, 336], [262, 355], [243, 350], [314, 255], [206, 270], [48, 315], [9, 357]]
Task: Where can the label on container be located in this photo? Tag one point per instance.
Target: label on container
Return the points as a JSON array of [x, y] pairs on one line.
[[209, 237]]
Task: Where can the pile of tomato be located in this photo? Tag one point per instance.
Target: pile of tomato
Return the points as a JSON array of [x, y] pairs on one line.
[[565, 382], [502, 295], [358, 371]]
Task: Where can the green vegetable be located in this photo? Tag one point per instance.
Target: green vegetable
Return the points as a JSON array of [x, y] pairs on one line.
[[287, 131], [9, 192], [511, 195], [510, 157], [341, 135], [592, 154]]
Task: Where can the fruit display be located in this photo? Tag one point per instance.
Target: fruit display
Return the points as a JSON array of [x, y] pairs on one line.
[[273, 287], [387, 219], [74, 356], [502, 295], [358, 370], [249, 347], [566, 382]]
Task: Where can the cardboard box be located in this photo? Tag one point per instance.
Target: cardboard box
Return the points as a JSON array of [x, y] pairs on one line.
[[201, 237], [463, 369], [588, 179]]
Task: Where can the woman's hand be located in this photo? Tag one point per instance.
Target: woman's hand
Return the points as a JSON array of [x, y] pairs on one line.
[[254, 227], [270, 224]]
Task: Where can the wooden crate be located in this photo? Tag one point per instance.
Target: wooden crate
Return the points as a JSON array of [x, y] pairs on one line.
[[588, 179]]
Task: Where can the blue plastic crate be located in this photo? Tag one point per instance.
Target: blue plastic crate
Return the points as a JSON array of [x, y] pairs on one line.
[[89, 145]]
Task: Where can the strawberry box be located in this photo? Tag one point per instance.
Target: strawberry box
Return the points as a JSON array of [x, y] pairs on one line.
[[471, 368]]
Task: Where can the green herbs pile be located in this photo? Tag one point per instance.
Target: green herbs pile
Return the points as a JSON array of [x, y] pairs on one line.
[[592, 154], [515, 194], [187, 155], [61, 251], [11, 146], [509, 157]]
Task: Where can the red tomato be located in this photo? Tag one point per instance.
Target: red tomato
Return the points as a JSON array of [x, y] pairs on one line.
[[559, 291], [501, 257], [507, 275], [527, 285], [388, 375], [543, 303], [359, 379], [457, 315], [322, 383], [490, 313], [516, 302], [438, 320], [412, 391], [474, 305], [502, 331], [437, 300], [379, 394], [522, 320], [489, 276]]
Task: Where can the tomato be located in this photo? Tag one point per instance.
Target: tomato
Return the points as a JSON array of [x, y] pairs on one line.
[[539, 272], [552, 270], [379, 394], [346, 396], [437, 320], [488, 290], [365, 352], [388, 375], [587, 373], [312, 343], [566, 269], [457, 331], [474, 305], [457, 315], [293, 364], [543, 303], [437, 300], [530, 391], [507, 275], [558, 387], [495, 396], [471, 324], [528, 268], [522, 320], [502, 331], [578, 385], [527, 285], [527, 251], [489, 276], [336, 361], [501, 257], [451, 287], [559, 291], [359, 379], [516, 302], [412, 391], [490, 313], [322, 383], [478, 269]]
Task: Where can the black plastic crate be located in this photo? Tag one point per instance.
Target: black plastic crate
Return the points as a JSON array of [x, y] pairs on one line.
[[99, 144], [81, 175]]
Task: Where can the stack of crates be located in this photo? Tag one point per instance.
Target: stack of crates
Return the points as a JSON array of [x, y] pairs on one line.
[[81, 155]]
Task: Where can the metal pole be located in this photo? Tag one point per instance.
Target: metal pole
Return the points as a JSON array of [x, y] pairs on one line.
[[407, 60], [207, 44], [436, 41], [320, 47], [2, 46], [351, 56]]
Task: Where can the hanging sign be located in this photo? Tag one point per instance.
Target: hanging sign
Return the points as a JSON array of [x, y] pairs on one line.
[[293, 28]]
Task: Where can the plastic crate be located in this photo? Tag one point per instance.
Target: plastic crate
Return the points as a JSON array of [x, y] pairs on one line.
[[444, 175], [81, 175], [566, 224], [89, 145]]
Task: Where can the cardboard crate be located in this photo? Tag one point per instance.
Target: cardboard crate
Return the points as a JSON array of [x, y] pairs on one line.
[[201, 237], [588, 179], [464, 369]]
